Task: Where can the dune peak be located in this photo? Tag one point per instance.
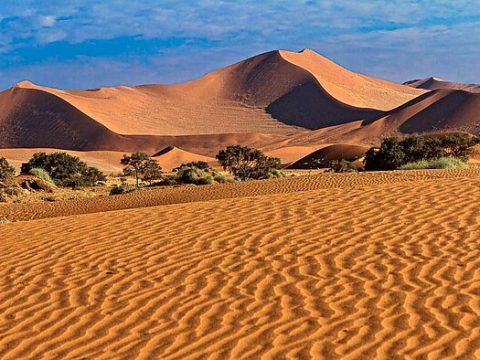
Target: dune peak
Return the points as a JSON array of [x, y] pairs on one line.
[[25, 84]]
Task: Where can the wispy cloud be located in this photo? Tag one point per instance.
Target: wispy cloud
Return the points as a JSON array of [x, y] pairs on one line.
[[167, 40]]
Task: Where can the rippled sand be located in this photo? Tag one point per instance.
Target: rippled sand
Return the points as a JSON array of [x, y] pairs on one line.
[[360, 266]]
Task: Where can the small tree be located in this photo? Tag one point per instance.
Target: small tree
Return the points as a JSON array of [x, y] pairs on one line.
[[246, 163], [141, 166], [6, 170], [152, 171]]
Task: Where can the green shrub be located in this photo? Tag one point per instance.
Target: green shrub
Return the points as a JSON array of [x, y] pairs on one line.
[[220, 178], [64, 169], [342, 166], [6, 170], [121, 189], [193, 175], [41, 174], [442, 163], [275, 173], [203, 165]]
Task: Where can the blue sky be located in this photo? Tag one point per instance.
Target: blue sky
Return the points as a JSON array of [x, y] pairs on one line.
[[85, 44]]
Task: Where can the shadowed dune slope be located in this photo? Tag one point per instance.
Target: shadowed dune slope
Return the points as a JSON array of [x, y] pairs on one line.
[[291, 154], [388, 271], [434, 83], [329, 153], [437, 111]]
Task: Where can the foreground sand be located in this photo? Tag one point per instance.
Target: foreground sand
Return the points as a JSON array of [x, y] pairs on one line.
[[362, 267]]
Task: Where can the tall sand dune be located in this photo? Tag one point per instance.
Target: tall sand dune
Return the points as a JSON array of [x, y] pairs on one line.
[[368, 271]]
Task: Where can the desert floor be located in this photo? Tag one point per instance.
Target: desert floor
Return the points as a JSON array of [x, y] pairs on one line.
[[356, 266]]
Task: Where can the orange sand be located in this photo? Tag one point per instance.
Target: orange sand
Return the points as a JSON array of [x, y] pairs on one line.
[[364, 266]]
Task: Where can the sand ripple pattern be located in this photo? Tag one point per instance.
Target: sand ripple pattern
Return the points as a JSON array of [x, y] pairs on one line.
[[386, 271]]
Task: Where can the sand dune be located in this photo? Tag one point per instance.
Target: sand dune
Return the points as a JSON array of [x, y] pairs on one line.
[[364, 271], [278, 93], [348, 87], [438, 110], [434, 83], [171, 157], [271, 101]]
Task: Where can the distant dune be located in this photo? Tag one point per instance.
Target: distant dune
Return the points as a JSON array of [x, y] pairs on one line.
[[106, 161], [275, 100], [434, 83]]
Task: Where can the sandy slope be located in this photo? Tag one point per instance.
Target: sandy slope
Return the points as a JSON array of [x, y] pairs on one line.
[[349, 87], [355, 272]]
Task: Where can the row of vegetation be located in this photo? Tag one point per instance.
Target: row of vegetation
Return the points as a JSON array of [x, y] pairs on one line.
[[411, 153], [60, 169], [242, 162], [415, 152]]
